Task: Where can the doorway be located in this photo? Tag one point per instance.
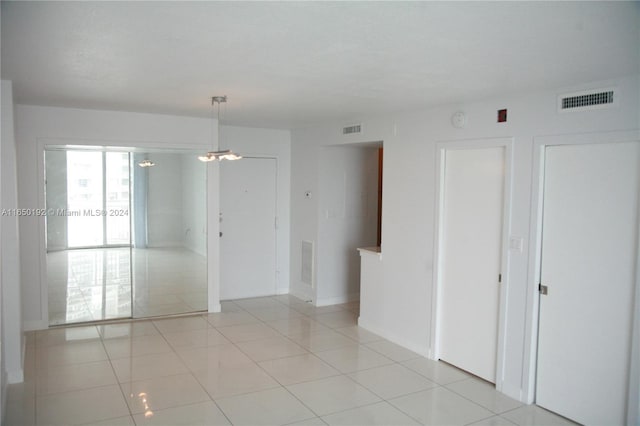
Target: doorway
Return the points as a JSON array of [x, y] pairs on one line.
[[473, 208], [125, 233], [588, 282]]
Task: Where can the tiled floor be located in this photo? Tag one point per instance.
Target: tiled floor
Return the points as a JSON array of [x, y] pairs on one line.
[[95, 284], [267, 361]]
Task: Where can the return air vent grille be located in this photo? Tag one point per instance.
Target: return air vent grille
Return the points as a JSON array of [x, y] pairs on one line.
[[356, 128], [307, 262], [587, 100]]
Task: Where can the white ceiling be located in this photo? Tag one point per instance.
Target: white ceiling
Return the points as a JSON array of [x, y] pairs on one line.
[[293, 64]]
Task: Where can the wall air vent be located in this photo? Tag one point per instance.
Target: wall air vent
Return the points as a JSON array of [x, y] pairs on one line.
[[582, 101], [307, 263], [356, 128]]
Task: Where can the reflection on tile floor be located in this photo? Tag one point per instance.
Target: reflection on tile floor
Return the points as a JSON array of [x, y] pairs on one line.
[[95, 284], [311, 366]]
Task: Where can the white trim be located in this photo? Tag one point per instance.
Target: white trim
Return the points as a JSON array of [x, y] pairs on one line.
[[535, 247], [15, 376], [338, 300], [35, 325], [306, 297], [441, 148]]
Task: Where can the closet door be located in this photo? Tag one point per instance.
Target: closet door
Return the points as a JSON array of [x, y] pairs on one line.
[[589, 254]]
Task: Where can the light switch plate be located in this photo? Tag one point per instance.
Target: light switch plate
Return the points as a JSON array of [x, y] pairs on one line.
[[516, 244]]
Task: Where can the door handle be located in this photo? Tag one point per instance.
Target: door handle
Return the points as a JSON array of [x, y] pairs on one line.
[[220, 234]]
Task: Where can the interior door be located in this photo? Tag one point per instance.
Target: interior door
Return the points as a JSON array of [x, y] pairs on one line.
[[248, 228], [589, 252], [470, 258]]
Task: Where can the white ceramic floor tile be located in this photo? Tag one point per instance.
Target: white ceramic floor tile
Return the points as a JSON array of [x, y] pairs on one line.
[[223, 319], [493, 421], [163, 392], [530, 415], [309, 309], [235, 380], [358, 334], [148, 367], [204, 413], [484, 394], [315, 421], [70, 353], [80, 407], [436, 371], [127, 329], [58, 336], [297, 326], [339, 319], [181, 324], [71, 377], [135, 346], [382, 414], [273, 314], [440, 406], [353, 358], [119, 421], [213, 357], [268, 407], [391, 381], [332, 394], [271, 348], [297, 369], [318, 341], [20, 408], [392, 351], [247, 332], [195, 338]]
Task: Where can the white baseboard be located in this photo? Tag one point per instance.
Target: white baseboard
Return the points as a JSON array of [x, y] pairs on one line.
[[35, 325], [338, 300], [419, 349], [215, 308], [15, 376], [283, 290], [513, 392], [3, 391], [302, 295]]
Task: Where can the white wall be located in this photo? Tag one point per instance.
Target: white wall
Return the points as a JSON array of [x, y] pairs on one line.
[[56, 198], [164, 200], [409, 202], [194, 205], [12, 324], [348, 219], [38, 126], [270, 143]]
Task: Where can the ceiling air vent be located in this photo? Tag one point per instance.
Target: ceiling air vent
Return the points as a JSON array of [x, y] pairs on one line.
[[593, 99], [356, 128]]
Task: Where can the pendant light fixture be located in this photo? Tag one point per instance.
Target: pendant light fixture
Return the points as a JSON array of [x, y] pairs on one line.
[[218, 155]]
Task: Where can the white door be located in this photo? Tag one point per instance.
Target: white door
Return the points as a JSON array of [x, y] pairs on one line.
[[589, 251], [248, 227], [471, 253]]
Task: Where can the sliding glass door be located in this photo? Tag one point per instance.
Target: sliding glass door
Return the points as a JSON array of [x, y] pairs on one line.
[[98, 199]]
